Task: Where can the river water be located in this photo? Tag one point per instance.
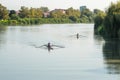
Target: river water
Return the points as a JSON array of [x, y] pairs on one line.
[[88, 57]]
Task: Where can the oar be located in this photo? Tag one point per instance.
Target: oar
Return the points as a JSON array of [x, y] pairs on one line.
[[58, 46]]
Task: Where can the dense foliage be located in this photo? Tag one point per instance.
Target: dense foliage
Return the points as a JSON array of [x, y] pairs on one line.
[[109, 25], [3, 12], [42, 15], [99, 20]]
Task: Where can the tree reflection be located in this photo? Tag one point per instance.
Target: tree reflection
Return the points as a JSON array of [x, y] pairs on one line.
[[2, 35], [111, 52]]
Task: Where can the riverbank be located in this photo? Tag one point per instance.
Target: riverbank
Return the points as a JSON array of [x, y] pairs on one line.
[[37, 21]]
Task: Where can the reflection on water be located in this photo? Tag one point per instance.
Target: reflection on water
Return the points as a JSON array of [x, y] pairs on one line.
[[111, 51], [2, 33]]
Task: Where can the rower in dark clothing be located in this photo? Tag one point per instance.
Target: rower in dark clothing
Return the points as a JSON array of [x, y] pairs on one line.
[[77, 35], [49, 46]]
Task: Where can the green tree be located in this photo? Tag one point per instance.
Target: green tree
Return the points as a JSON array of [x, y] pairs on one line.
[[35, 13], [109, 25], [24, 12], [13, 15], [99, 19], [89, 14], [44, 9], [86, 12], [112, 20], [32, 13], [58, 13], [73, 12], [73, 18], [38, 13], [84, 19], [3, 12], [11, 12]]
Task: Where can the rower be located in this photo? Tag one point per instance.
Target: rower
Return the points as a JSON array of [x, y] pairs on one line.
[[49, 46], [77, 35]]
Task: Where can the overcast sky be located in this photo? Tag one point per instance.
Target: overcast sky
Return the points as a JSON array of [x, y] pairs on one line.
[[52, 4]]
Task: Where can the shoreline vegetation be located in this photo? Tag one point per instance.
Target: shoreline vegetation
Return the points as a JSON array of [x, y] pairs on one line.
[[108, 24], [42, 15], [36, 21]]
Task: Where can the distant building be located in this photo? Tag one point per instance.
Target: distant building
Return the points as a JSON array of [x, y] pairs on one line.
[[96, 11], [46, 14], [82, 8], [17, 12]]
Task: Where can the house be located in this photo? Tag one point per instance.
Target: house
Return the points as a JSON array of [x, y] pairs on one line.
[[46, 14]]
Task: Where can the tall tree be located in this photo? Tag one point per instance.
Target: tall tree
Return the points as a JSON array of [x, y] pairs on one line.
[[38, 13], [3, 12], [13, 15], [112, 20], [58, 13], [89, 15], [44, 9], [73, 12], [99, 20], [24, 12], [99, 17]]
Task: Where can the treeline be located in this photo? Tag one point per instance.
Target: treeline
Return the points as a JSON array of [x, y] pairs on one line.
[[108, 24], [42, 15]]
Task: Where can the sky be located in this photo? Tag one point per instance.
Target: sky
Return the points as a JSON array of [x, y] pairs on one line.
[[57, 4]]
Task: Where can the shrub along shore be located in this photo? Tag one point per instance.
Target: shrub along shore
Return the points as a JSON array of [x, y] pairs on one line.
[[36, 21]]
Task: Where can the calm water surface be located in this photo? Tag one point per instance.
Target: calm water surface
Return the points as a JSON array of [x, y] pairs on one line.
[[86, 58]]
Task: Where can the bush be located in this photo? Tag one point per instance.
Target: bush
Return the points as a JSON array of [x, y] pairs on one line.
[[13, 22]]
